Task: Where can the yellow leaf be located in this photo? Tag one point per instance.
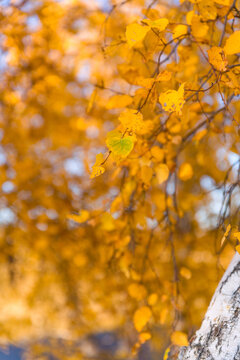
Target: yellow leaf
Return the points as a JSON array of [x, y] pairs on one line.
[[91, 101], [145, 82], [233, 43], [81, 217], [122, 242], [152, 299], [179, 338], [119, 145], [180, 30], [186, 273], [160, 24], [217, 58], [237, 235], [141, 317], [225, 234], [144, 336], [162, 173], [115, 206], [135, 33], [107, 222], [199, 135], [238, 248], [189, 17], [166, 353], [157, 153], [97, 171], [97, 168], [119, 101], [137, 291], [164, 76], [227, 230], [185, 172], [199, 28], [146, 174], [131, 119], [223, 2], [231, 80], [208, 10], [80, 260], [173, 100], [99, 159]]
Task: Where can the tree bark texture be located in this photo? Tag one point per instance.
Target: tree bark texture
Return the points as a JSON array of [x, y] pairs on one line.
[[219, 335]]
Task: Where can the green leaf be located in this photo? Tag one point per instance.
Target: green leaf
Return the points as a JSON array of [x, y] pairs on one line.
[[119, 145]]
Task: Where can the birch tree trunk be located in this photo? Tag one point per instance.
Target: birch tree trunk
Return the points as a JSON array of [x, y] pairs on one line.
[[219, 335]]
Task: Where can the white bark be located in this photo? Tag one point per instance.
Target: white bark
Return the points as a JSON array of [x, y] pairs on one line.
[[219, 335]]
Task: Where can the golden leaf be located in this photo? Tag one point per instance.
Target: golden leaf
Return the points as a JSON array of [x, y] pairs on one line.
[[237, 235], [97, 171], [173, 100], [225, 235], [146, 174], [189, 17], [208, 10], [162, 173], [238, 248], [97, 168], [185, 172], [164, 76], [141, 317], [233, 43], [119, 101], [217, 58], [135, 33], [180, 30], [79, 218], [91, 101], [199, 28], [160, 24], [145, 82], [179, 338], [131, 119], [158, 153], [152, 299], [186, 273], [223, 2], [137, 291], [166, 353], [144, 336]]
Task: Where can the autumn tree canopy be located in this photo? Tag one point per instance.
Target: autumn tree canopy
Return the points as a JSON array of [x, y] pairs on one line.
[[120, 167]]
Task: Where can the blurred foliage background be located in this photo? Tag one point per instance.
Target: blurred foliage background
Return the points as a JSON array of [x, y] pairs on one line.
[[80, 256]]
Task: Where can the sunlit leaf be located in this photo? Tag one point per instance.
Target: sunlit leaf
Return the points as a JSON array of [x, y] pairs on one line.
[[217, 58], [97, 168], [141, 317], [179, 338], [137, 291], [185, 172], [131, 119], [173, 100], [152, 299], [164, 76], [81, 217], [135, 33], [119, 101], [144, 336], [180, 30], [162, 172], [160, 24], [233, 43]]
